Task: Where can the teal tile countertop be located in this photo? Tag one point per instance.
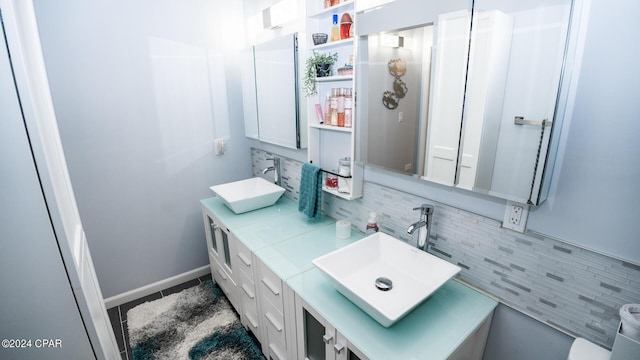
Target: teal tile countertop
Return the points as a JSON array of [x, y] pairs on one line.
[[287, 241]]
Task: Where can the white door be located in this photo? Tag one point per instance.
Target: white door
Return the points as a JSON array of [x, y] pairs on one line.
[[33, 90]]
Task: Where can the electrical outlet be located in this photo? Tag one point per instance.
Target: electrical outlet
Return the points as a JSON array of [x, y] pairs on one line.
[[515, 216]]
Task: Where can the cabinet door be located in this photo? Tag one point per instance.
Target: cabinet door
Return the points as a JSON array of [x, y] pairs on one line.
[[221, 246], [318, 339], [277, 94], [210, 228], [227, 250]]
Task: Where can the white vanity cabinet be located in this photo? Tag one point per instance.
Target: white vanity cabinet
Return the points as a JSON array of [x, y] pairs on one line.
[[221, 248], [318, 339], [296, 313], [263, 300]]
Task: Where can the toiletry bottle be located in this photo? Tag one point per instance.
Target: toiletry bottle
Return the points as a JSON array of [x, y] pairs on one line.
[[327, 109], [372, 226], [345, 26], [348, 108], [341, 107], [335, 30], [334, 107]]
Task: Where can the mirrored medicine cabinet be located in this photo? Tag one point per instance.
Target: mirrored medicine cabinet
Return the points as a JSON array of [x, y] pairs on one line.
[[465, 94], [271, 92]]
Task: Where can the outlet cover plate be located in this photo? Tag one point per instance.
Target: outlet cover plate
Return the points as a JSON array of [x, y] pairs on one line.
[[515, 216]]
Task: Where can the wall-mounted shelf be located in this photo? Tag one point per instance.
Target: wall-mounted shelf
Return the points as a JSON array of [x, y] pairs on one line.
[[331, 127], [335, 78], [328, 143], [331, 45], [318, 14], [338, 194]]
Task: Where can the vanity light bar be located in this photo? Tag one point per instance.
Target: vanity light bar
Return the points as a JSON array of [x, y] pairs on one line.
[[520, 120]]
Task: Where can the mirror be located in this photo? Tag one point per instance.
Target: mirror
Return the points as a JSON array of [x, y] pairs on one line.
[[510, 115], [484, 125], [394, 121], [271, 93]]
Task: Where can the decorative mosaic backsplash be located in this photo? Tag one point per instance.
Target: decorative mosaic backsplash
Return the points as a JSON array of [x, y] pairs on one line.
[[572, 289]]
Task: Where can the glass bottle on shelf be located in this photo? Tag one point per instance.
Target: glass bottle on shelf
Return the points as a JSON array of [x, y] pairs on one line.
[[341, 107], [334, 107], [348, 108], [335, 30], [327, 109]]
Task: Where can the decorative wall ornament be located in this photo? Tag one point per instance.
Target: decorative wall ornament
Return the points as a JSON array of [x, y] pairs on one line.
[[397, 69]]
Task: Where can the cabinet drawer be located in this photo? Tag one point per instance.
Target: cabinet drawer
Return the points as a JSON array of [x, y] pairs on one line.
[[224, 281], [246, 284], [273, 321], [276, 352], [250, 313], [244, 259], [270, 286]]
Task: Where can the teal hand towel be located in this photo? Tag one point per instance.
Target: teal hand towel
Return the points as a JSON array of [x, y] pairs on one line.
[[310, 190]]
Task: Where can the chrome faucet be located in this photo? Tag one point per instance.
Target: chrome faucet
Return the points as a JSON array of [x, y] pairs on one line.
[[276, 170], [423, 226]]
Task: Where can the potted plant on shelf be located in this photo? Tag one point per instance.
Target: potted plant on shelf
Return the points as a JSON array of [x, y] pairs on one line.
[[318, 65]]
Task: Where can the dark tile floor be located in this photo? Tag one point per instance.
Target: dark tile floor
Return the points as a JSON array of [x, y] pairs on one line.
[[118, 314]]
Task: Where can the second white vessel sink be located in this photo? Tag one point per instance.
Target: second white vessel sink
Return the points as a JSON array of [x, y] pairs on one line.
[[384, 276], [249, 194]]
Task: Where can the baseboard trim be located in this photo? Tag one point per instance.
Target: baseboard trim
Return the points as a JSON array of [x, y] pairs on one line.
[[155, 287]]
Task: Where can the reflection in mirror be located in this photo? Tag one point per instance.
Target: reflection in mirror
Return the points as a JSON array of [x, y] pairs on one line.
[[399, 64], [405, 113], [447, 97], [515, 65]]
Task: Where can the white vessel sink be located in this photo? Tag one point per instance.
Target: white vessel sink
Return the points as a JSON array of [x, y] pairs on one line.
[[250, 194], [356, 269]]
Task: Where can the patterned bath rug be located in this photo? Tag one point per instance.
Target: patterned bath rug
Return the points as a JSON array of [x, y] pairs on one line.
[[198, 323]]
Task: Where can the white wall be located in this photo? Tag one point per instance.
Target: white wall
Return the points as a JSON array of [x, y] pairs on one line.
[[141, 92]]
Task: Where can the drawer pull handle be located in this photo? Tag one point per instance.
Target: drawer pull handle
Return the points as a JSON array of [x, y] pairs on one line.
[[270, 286], [327, 338], [273, 322], [275, 352], [244, 259], [253, 323], [222, 275], [247, 291], [338, 348]]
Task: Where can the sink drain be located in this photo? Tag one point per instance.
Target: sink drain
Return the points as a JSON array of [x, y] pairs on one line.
[[384, 284]]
